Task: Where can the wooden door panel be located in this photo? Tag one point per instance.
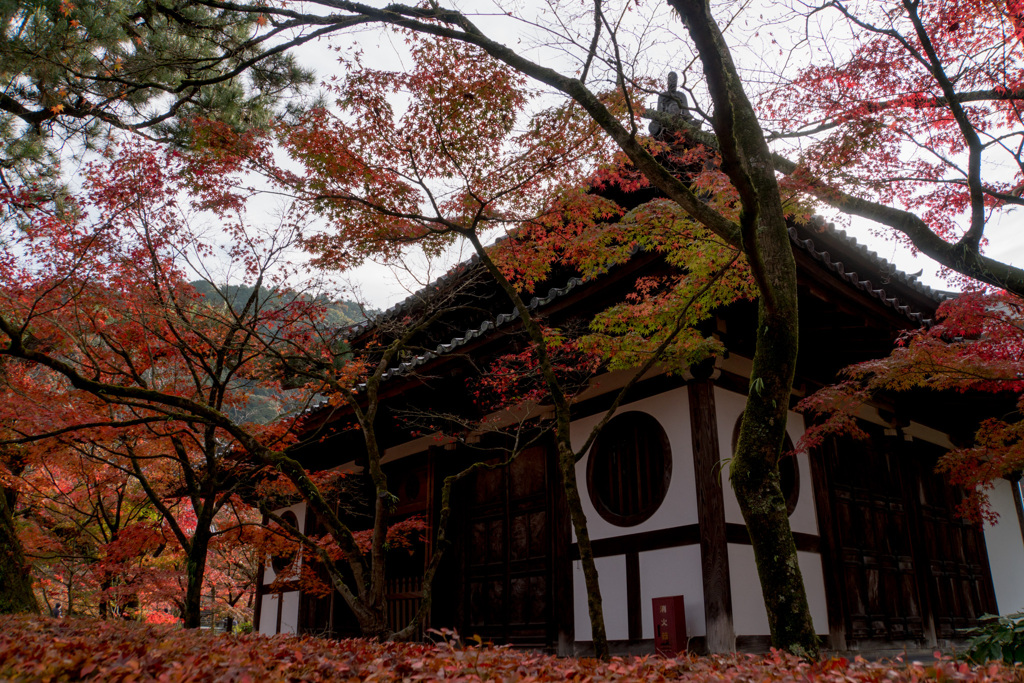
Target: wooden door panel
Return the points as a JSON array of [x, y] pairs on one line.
[[509, 554], [902, 552], [957, 557], [874, 544]]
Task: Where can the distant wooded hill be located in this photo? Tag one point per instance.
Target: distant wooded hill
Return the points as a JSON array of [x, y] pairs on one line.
[[338, 313]]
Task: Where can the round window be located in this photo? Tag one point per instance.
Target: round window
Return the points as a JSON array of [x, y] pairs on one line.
[[629, 469], [789, 469]]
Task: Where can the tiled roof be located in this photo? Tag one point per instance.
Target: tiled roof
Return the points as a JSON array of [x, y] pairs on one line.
[[825, 237], [485, 327], [851, 250]]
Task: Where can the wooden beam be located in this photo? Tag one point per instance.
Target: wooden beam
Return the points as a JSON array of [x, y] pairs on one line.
[[644, 541], [633, 606], [301, 619], [714, 547], [280, 603], [257, 612], [805, 543]]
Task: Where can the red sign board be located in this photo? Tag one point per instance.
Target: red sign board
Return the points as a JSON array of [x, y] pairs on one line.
[[669, 625]]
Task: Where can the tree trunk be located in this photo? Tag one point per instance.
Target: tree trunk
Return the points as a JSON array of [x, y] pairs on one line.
[[195, 572], [566, 455], [595, 608], [105, 585], [754, 472], [376, 622], [369, 609], [15, 580], [373, 621]]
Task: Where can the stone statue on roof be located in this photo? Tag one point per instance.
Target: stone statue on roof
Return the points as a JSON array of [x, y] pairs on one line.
[[671, 101]]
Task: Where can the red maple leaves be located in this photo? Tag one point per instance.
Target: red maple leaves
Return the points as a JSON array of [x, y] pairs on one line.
[[110, 651]]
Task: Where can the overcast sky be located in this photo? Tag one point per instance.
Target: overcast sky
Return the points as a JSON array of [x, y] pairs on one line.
[[749, 35]]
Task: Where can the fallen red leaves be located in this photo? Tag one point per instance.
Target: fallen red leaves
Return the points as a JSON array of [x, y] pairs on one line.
[[35, 649]]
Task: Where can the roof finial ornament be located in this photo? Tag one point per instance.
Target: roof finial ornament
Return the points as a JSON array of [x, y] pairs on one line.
[[672, 102]]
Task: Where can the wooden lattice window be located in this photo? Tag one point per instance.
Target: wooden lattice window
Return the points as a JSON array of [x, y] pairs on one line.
[[629, 469]]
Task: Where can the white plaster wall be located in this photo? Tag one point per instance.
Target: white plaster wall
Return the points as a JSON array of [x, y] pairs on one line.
[[290, 612], [672, 410], [805, 517], [299, 510], [730, 405], [268, 614], [748, 612], [1006, 550], [814, 582], [673, 571], [611, 573]]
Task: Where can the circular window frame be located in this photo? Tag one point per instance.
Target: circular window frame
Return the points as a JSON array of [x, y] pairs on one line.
[[640, 422], [789, 458]]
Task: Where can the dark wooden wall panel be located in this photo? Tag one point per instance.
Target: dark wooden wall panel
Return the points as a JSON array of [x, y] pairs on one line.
[[508, 553], [909, 569]]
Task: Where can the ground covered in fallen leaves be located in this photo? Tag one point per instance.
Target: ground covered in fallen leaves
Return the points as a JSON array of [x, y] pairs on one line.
[[42, 649]]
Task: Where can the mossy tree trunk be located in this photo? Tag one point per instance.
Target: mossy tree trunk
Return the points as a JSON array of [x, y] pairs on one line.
[[15, 580], [754, 471], [595, 608]]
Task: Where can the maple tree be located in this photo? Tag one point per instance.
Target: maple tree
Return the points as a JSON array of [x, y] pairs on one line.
[[99, 541], [105, 318], [942, 78], [90, 528], [191, 493], [117, 349], [356, 560], [111, 324]]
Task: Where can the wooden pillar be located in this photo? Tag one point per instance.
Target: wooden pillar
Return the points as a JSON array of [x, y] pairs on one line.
[[446, 608], [714, 549], [257, 609], [634, 610], [433, 506], [831, 565]]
